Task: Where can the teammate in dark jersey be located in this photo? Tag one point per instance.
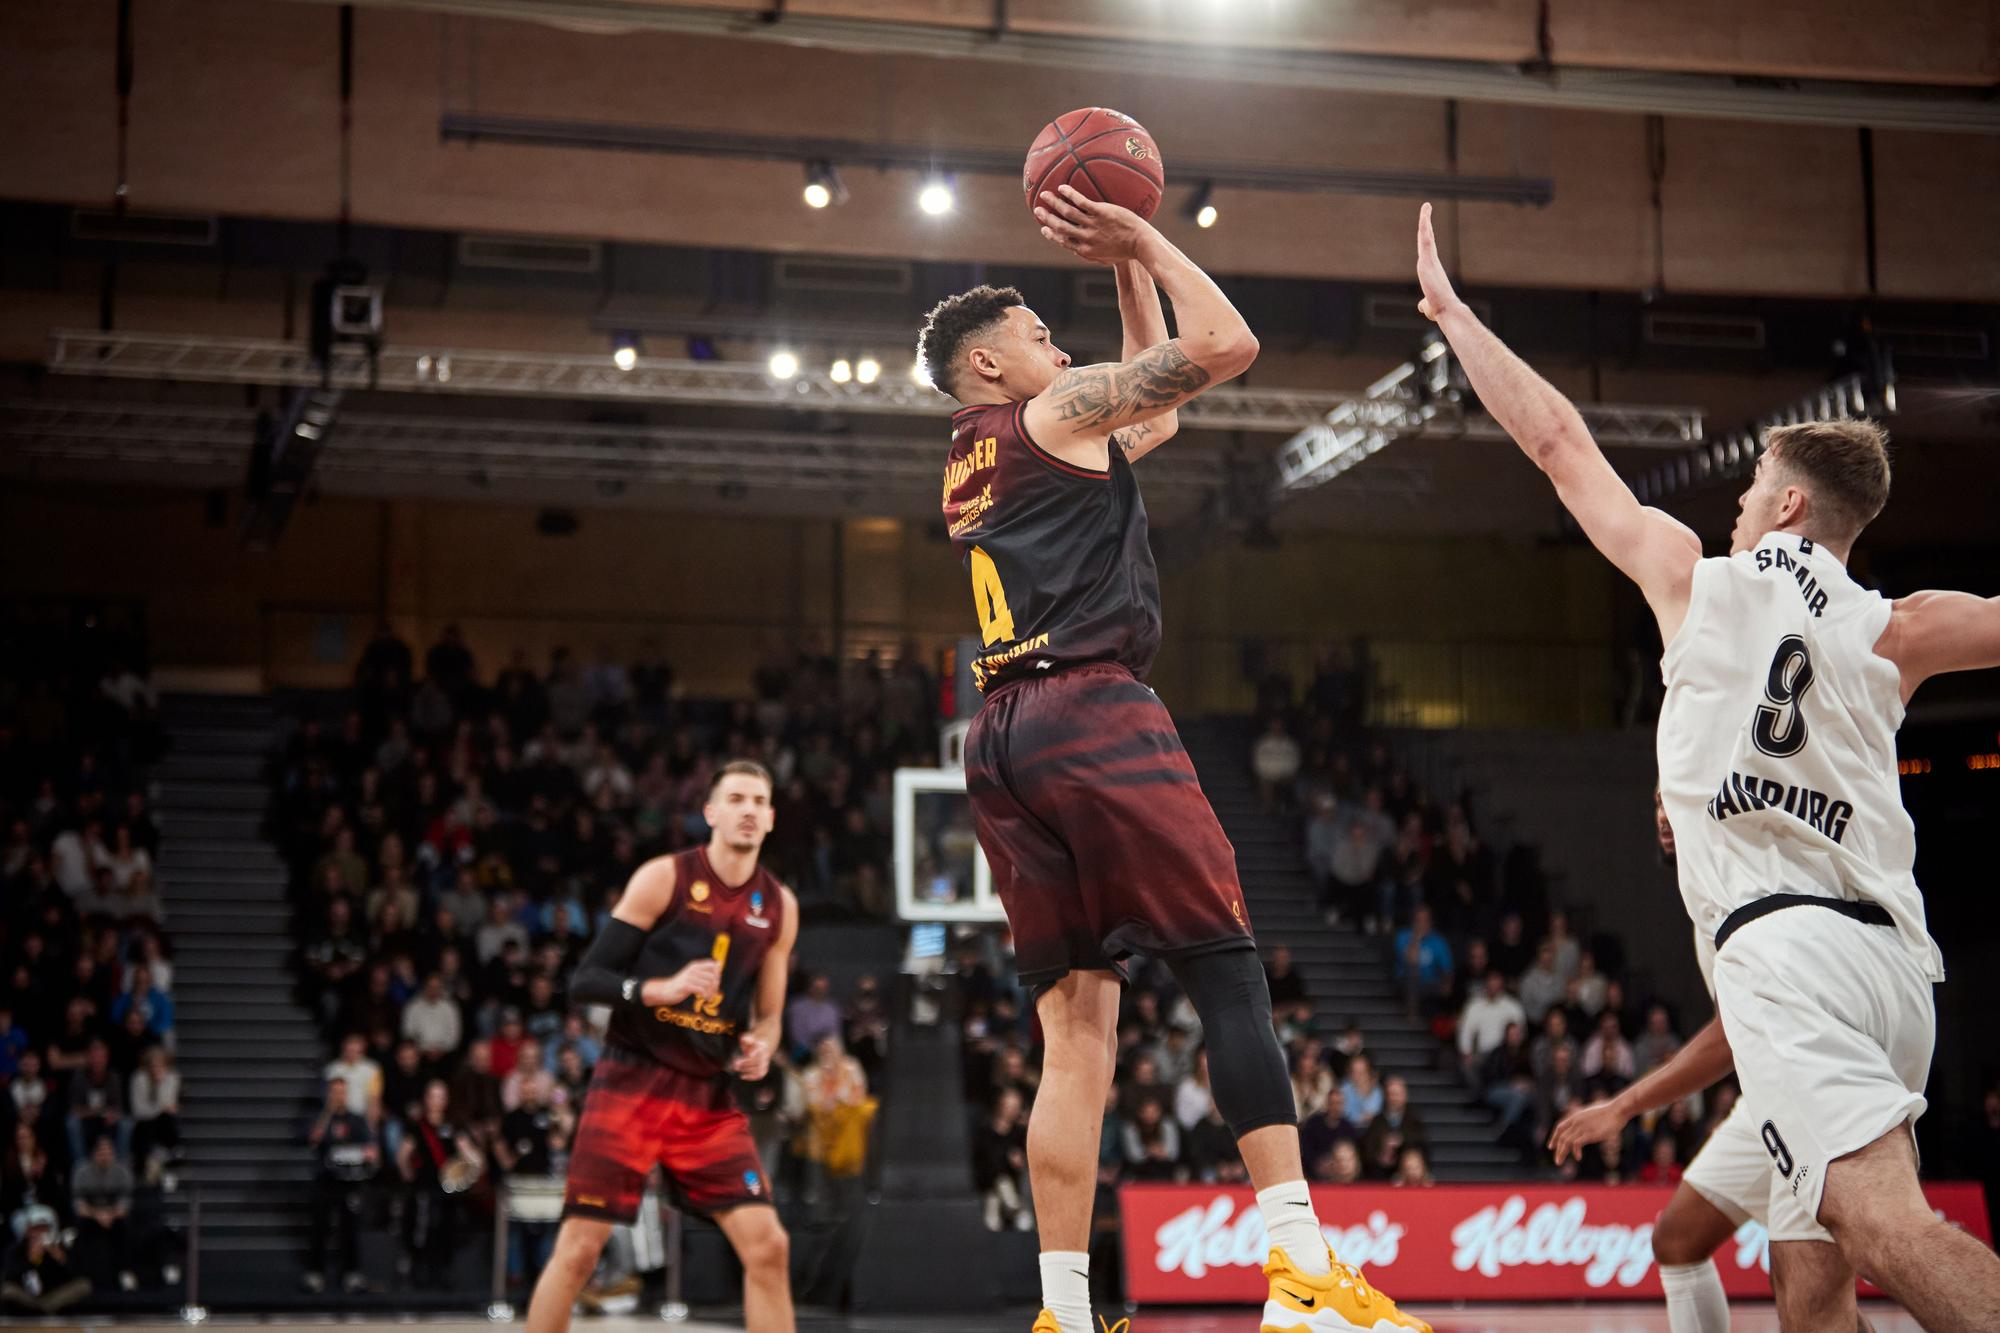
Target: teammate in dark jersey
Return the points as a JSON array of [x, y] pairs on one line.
[[1086, 805], [693, 964]]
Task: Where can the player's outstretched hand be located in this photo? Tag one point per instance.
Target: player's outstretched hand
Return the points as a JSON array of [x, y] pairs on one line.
[[1438, 295], [697, 978], [753, 1058], [1598, 1122], [1101, 233]]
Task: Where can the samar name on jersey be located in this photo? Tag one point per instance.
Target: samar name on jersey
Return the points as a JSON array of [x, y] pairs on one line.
[[1770, 557], [1744, 792]]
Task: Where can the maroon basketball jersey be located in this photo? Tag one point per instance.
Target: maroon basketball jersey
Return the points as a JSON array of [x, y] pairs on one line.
[[698, 1035], [1060, 565]]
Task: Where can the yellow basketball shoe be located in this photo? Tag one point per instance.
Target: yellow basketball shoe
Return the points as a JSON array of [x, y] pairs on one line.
[[1337, 1302], [1046, 1323]]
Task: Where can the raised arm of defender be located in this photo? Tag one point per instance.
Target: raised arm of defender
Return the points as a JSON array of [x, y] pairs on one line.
[[1650, 547], [1086, 405]]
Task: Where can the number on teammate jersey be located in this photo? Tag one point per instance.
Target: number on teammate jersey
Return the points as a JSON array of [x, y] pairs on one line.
[[996, 622], [1779, 728]]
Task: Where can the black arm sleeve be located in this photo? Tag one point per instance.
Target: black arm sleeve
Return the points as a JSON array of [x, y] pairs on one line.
[[600, 976]]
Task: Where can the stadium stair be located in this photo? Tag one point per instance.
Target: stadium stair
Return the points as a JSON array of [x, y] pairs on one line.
[[926, 1205], [248, 1052], [1348, 974]]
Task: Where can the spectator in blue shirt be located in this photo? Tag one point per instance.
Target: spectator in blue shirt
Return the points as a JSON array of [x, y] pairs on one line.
[[13, 1042], [1361, 1092], [1423, 962], [158, 1007]]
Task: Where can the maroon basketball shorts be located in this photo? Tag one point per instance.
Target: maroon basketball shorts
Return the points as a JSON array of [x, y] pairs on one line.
[[640, 1113], [1101, 842]]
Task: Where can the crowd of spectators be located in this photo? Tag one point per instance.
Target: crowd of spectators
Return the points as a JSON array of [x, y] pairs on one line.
[[455, 844], [1534, 1019], [89, 1099], [1160, 1120]]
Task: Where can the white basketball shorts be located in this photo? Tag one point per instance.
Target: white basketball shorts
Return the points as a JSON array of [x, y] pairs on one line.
[[1832, 1024]]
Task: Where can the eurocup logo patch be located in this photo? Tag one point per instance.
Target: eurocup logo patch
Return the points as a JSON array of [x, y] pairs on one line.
[[752, 1183], [756, 902]]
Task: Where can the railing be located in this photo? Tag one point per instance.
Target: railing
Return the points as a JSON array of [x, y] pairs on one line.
[[499, 1305], [500, 1308]]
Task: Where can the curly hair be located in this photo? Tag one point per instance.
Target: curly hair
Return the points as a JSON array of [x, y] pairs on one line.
[[955, 322]]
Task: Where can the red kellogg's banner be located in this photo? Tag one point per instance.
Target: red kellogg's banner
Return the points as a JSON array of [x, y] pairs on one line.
[[1205, 1244]]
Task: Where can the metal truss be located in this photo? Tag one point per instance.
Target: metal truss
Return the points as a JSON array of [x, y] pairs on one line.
[[1417, 401], [1735, 453], [206, 440], [195, 358]]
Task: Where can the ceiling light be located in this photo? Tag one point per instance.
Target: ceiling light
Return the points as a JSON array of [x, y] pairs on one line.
[[784, 364], [1201, 206], [918, 375], [823, 185], [867, 369], [625, 351], [841, 372], [936, 197]]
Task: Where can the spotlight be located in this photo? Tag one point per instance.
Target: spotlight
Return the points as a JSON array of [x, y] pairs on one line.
[[918, 375], [936, 196], [823, 185], [841, 372], [867, 369], [784, 364], [625, 351], [1201, 206]]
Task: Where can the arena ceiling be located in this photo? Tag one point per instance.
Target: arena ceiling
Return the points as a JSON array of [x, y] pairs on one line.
[[1730, 188]]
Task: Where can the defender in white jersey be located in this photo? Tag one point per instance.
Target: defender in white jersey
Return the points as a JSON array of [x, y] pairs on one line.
[[1728, 1183], [1785, 683]]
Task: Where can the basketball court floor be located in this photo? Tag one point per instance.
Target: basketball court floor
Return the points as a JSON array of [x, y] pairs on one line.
[[1744, 1318]]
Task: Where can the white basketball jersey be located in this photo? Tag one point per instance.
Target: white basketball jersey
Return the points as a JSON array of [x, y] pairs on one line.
[[1777, 741]]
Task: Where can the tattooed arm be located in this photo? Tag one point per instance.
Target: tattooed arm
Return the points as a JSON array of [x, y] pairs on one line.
[[1145, 325], [1078, 415]]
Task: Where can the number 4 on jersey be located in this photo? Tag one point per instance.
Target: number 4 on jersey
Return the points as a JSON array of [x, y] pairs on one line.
[[996, 622]]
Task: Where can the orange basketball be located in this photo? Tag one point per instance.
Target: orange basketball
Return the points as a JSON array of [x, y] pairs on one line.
[[1101, 154]]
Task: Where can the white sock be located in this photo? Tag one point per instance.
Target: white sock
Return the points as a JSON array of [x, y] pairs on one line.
[[1066, 1289], [1293, 1226], [1695, 1303]]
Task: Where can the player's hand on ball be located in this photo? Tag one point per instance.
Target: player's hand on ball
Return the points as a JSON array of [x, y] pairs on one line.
[[699, 978], [1101, 233], [1438, 295], [753, 1061], [1598, 1122]]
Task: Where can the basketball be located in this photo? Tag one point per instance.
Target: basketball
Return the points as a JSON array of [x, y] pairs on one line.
[[1101, 154]]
